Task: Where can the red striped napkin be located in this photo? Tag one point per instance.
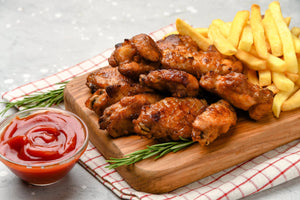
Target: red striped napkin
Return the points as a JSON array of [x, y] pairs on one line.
[[272, 168]]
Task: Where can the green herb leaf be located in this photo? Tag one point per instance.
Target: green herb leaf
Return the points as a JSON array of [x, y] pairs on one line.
[[156, 149], [38, 99]]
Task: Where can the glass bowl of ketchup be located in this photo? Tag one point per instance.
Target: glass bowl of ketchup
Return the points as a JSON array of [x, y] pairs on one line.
[[41, 145]]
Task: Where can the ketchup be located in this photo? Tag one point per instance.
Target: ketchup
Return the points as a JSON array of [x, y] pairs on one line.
[[42, 147], [41, 137]]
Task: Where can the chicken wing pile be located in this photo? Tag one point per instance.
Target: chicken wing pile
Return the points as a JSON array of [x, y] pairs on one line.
[[159, 90]]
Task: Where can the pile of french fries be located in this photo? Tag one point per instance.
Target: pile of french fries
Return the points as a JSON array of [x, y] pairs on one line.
[[269, 50]]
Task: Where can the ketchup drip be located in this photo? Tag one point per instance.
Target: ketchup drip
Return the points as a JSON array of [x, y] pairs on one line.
[[41, 137]]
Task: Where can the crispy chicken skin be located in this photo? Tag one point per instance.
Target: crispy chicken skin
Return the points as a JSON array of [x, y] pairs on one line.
[[235, 88], [182, 53], [178, 83], [214, 121], [134, 69], [136, 56], [103, 98], [146, 47], [123, 53], [97, 101], [264, 105], [104, 77], [110, 86], [169, 119], [117, 118]]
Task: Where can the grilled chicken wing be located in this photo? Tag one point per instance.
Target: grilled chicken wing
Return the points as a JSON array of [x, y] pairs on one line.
[[235, 88], [169, 119], [146, 47], [136, 56], [97, 101], [103, 98], [214, 121], [182, 53], [104, 77], [178, 83], [134, 69], [117, 118]]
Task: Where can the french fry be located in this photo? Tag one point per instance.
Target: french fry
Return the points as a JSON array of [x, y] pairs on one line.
[[298, 81], [223, 27], [295, 31], [220, 42], [273, 88], [293, 77], [264, 78], [203, 31], [252, 76], [258, 32], [285, 36], [276, 64], [282, 82], [287, 20], [296, 41], [237, 26], [272, 34], [185, 29], [292, 102], [251, 61], [278, 100], [246, 39], [253, 51]]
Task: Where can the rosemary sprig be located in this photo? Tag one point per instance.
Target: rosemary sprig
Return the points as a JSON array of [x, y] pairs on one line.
[[38, 99], [157, 149]]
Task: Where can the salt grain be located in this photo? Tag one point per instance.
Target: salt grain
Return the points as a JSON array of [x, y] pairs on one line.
[[58, 15], [192, 9], [8, 81]]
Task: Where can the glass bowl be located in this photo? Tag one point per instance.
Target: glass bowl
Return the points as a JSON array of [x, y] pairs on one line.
[[54, 146]]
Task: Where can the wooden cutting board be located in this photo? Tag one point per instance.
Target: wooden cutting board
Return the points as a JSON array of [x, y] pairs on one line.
[[246, 140]]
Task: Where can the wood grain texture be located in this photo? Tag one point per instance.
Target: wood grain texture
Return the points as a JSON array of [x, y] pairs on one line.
[[245, 141]]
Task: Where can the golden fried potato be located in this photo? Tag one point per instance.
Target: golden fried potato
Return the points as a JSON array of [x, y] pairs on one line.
[[252, 76], [185, 29], [223, 27], [276, 64], [237, 26], [292, 102], [293, 77], [220, 42], [246, 41], [273, 88], [264, 78], [258, 32], [278, 100], [286, 36], [295, 31], [251, 61], [282, 82], [272, 34]]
